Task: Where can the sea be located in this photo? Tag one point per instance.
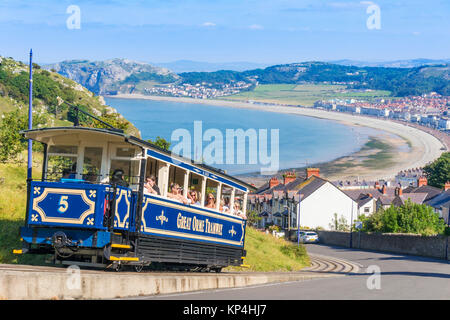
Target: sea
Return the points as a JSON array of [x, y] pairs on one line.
[[199, 131]]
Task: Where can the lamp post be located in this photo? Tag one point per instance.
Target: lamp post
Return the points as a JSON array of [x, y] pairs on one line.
[[298, 218], [289, 218], [351, 225], [30, 118]]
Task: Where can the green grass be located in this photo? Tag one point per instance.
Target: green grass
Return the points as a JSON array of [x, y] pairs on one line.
[[305, 94], [13, 198], [268, 253]]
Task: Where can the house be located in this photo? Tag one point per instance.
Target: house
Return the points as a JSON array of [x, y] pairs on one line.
[[441, 203], [312, 199], [400, 198]]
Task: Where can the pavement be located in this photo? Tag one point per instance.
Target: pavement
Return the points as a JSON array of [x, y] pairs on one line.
[[380, 276]]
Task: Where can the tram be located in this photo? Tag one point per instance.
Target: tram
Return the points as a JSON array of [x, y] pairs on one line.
[[81, 215]]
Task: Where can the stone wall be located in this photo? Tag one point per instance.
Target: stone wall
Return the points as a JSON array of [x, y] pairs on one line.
[[434, 247]]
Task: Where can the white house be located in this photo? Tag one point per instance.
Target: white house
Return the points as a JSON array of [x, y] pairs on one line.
[[311, 199], [320, 200]]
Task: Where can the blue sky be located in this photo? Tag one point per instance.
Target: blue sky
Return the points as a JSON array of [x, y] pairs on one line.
[[225, 30]]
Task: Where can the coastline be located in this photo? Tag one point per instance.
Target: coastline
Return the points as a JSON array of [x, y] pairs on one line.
[[423, 146]]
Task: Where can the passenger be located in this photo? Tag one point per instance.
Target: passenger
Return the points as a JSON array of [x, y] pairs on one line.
[[238, 212], [150, 186], [175, 194], [210, 201], [192, 195], [117, 178], [226, 207]]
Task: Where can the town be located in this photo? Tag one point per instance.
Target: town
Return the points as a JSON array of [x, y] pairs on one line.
[[200, 90], [429, 110]]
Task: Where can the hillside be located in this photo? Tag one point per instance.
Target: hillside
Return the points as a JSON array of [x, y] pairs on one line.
[[49, 91], [113, 76], [399, 81]]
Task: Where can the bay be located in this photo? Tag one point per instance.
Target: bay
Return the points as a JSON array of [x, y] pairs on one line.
[[303, 141]]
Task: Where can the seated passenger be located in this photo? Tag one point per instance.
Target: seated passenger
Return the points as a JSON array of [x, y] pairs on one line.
[[210, 201], [238, 212], [150, 186], [226, 206], [192, 195], [117, 178], [175, 194]]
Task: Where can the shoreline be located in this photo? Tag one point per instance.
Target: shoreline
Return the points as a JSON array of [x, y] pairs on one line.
[[423, 146]]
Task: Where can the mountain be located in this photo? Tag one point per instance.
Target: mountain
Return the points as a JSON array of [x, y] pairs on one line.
[[412, 63], [50, 89], [113, 76], [400, 81], [180, 66]]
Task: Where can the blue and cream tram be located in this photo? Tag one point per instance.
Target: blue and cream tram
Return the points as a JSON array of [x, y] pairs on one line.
[[78, 214]]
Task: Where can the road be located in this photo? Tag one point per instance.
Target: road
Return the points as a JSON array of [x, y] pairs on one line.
[[401, 277]]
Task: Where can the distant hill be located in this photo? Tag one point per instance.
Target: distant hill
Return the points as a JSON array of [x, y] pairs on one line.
[[49, 90], [400, 81], [412, 63], [180, 66], [113, 76]]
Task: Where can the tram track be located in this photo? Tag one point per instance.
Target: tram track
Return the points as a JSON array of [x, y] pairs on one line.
[[320, 263]]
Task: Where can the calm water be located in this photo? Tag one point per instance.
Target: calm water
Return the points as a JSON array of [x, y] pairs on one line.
[[302, 140]]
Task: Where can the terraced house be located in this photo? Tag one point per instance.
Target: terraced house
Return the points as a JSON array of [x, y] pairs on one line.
[[309, 198]]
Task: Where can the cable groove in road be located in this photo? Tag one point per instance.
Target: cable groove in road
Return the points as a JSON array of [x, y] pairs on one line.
[[319, 263]]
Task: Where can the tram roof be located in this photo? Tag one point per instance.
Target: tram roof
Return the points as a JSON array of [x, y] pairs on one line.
[[44, 135]]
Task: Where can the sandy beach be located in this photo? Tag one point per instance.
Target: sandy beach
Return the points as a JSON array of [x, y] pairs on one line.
[[421, 147]]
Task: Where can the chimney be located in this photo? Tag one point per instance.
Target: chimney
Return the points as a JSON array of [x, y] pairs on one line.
[[377, 185], [422, 181], [289, 177], [312, 172], [273, 182], [383, 190], [447, 186], [398, 191]]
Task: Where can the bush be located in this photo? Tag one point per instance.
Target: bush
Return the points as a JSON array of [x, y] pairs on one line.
[[408, 218]]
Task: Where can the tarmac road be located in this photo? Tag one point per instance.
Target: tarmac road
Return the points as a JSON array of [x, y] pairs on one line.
[[400, 277]]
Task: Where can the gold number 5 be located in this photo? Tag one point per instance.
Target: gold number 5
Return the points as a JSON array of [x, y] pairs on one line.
[[64, 205]]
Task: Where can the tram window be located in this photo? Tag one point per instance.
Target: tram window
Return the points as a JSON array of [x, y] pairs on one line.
[[126, 152], [225, 199], [62, 162], [72, 150], [239, 204], [211, 194], [92, 164], [195, 188], [130, 169], [176, 175]]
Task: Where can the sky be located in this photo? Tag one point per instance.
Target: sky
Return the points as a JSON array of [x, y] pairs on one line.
[[261, 31]]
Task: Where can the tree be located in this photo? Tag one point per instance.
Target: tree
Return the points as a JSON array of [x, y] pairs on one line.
[[438, 172], [11, 141], [253, 218], [339, 224], [161, 142]]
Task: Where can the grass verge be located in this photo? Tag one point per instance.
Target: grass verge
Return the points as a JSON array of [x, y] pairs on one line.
[[268, 253]]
